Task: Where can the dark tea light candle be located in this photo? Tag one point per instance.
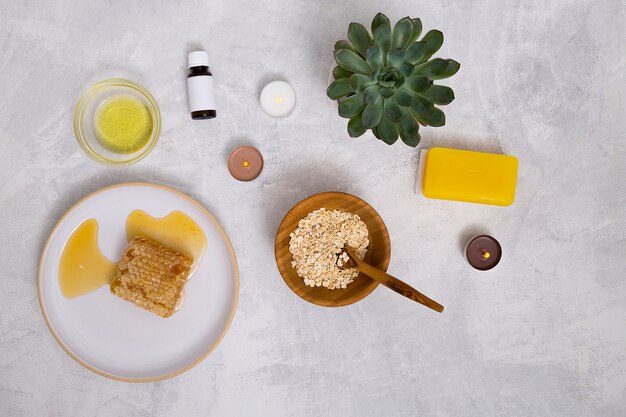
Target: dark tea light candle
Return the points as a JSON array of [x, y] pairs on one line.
[[483, 252], [245, 163]]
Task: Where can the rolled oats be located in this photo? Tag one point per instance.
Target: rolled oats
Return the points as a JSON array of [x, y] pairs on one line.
[[317, 243]]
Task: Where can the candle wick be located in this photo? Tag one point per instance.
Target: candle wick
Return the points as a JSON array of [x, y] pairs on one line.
[[245, 163]]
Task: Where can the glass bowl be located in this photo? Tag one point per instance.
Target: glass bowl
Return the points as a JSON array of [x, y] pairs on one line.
[[85, 121]]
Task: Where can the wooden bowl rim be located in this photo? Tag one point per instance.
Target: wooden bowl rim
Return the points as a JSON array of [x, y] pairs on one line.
[[366, 290]]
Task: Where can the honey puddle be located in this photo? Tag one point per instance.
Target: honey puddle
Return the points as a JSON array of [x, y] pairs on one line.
[[176, 230], [83, 268]]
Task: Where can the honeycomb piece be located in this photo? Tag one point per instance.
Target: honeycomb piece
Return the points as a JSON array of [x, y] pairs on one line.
[[151, 275]]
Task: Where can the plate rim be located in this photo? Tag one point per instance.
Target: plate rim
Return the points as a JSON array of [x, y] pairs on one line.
[[210, 349]]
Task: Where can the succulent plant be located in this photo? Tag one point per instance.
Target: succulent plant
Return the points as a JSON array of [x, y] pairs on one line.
[[383, 81]]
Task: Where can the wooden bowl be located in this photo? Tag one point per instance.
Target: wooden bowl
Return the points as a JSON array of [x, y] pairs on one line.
[[378, 251]]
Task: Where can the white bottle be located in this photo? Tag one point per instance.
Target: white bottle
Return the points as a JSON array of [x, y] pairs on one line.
[[200, 87]]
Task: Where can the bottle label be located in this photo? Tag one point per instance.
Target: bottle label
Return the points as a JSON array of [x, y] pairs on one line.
[[201, 93]]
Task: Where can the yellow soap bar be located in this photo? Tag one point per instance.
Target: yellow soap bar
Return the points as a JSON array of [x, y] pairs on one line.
[[473, 177]]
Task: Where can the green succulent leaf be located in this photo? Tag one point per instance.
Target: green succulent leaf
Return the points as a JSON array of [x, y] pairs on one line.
[[451, 69], [405, 69], [412, 141], [343, 44], [395, 57], [360, 37], [402, 32], [415, 52], [417, 29], [403, 98], [432, 68], [372, 114], [387, 130], [352, 62], [409, 128], [351, 106], [374, 57], [439, 94], [339, 72], [421, 105], [434, 40], [375, 132], [380, 20], [382, 39], [355, 126], [339, 88], [376, 74], [360, 82], [387, 92], [436, 118], [371, 94], [392, 111], [416, 84]]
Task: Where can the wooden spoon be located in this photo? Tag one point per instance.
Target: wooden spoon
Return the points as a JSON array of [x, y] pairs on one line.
[[387, 280]]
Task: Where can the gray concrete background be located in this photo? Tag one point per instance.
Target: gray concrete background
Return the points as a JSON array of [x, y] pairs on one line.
[[542, 335]]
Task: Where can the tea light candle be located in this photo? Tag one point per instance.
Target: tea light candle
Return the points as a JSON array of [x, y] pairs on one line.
[[483, 252], [245, 163], [278, 98]]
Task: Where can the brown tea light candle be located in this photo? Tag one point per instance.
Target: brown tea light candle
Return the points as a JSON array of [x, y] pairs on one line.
[[245, 163], [483, 252]]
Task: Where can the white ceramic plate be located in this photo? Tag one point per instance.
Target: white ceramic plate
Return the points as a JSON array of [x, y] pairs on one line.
[[115, 338]]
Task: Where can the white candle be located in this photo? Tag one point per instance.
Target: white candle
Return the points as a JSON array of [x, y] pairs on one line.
[[278, 98]]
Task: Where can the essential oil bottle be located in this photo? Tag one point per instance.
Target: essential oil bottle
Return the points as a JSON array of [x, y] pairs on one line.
[[200, 87]]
